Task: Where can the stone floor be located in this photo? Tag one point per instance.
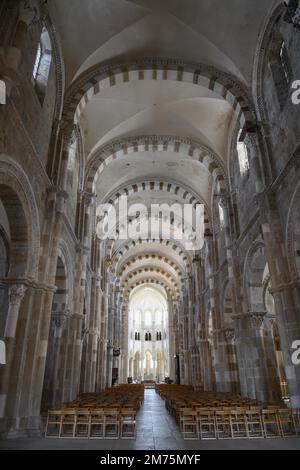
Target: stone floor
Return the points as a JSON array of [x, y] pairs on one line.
[[156, 430]]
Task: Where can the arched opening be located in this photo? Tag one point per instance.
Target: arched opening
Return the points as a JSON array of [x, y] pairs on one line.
[[148, 315]]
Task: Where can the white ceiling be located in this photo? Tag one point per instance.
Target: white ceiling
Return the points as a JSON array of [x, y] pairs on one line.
[[213, 31]]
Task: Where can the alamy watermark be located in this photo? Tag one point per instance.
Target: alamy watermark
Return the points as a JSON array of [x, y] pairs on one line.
[[182, 222], [296, 94], [2, 353], [296, 353], [2, 92]]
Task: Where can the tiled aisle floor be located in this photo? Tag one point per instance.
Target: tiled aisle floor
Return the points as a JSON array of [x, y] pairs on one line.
[[156, 429]]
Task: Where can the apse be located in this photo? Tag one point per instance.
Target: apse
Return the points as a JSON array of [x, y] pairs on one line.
[[148, 334]]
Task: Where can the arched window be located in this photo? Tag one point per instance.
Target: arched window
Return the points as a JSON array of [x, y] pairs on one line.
[[242, 151], [221, 216], [148, 336], [72, 150], [42, 65]]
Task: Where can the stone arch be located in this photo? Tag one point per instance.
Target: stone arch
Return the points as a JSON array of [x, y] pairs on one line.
[[106, 75], [120, 252], [119, 148], [151, 270], [161, 282], [22, 213], [146, 257], [173, 188], [176, 189]]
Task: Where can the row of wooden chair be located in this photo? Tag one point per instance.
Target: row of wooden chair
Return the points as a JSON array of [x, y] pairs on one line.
[[110, 414], [215, 415], [108, 423], [238, 423]]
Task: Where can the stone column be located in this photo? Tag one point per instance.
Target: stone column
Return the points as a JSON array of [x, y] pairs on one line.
[[233, 370], [75, 354], [258, 369], [15, 296], [219, 349], [208, 374], [54, 383]]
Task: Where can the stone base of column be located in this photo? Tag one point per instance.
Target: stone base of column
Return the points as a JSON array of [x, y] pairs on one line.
[[19, 428]]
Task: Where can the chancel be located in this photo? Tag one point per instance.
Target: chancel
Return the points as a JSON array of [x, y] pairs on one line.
[[138, 327]]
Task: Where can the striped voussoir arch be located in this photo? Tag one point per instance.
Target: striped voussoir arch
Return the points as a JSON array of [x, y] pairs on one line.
[[174, 293], [162, 186], [107, 75], [152, 270], [189, 148], [154, 185], [146, 258], [153, 273], [174, 245]]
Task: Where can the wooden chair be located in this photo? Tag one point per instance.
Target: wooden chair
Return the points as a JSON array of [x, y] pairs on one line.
[[111, 423], [97, 424], [287, 424], [68, 423], [188, 424], [127, 423], [223, 427], [238, 424], [271, 423], [54, 423], [254, 424], [206, 424], [83, 421]]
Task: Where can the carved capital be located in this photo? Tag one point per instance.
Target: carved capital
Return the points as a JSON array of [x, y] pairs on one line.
[[255, 319], [16, 293]]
